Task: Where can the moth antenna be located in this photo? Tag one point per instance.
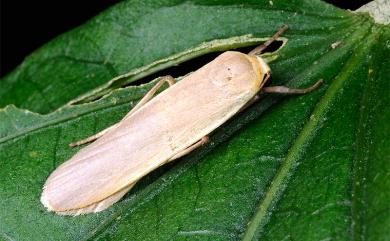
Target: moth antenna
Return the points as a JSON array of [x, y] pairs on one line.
[[260, 48]]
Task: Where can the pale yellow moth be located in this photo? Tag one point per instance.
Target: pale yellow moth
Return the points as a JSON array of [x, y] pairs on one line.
[[159, 130]]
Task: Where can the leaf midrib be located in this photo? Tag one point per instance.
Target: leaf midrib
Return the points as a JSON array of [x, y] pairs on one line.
[[360, 160], [308, 132]]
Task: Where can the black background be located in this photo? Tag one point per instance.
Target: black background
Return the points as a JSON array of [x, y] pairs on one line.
[[27, 25]]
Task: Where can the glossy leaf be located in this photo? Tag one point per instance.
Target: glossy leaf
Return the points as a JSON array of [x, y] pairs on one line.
[[312, 167]]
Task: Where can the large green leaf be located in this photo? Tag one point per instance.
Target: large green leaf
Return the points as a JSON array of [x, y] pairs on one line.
[[313, 167]]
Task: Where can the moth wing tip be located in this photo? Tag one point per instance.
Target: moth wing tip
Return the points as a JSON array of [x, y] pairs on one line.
[[45, 202]]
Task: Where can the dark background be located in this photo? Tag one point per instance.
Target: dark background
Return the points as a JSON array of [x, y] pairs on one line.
[[27, 25]]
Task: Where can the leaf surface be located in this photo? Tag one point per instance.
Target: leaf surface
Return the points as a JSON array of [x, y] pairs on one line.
[[311, 167]]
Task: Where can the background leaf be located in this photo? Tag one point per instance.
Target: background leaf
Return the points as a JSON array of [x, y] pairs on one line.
[[313, 167]]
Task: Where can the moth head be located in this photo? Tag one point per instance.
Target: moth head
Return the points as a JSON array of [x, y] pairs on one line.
[[239, 72], [263, 70]]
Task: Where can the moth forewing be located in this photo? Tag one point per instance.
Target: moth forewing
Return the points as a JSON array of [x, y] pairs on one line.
[[167, 127], [102, 172]]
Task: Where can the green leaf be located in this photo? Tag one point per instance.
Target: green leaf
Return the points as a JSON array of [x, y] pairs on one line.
[[311, 167]]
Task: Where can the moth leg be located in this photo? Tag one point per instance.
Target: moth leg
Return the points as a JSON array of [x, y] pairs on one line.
[[186, 151], [260, 48], [169, 79], [93, 137], [286, 90], [281, 90]]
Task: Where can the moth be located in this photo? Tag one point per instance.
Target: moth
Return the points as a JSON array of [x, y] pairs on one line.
[[158, 130]]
